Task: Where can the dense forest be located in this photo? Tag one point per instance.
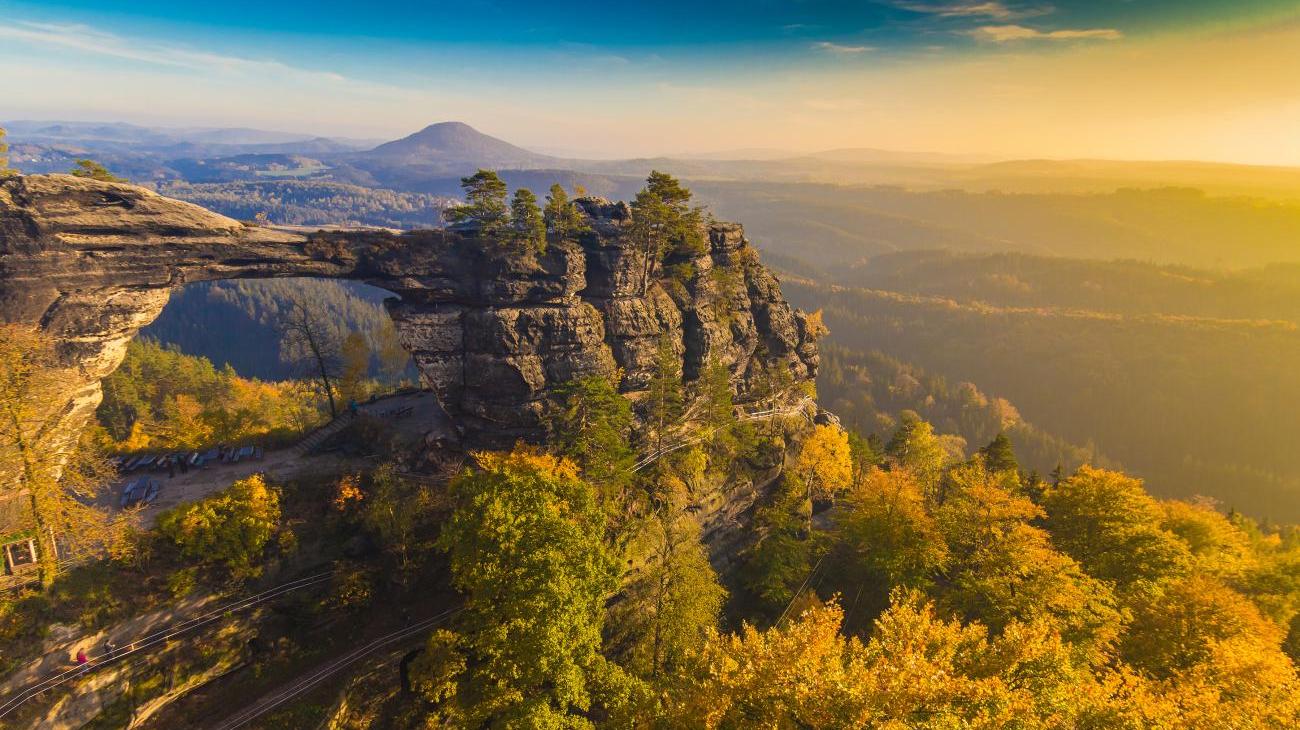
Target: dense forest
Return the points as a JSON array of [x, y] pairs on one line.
[[237, 323], [1196, 405], [872, 393]]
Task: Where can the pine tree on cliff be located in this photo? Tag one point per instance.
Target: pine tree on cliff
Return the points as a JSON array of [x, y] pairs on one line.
[[526, 222], [94, 171], [562, 217], [4, 158], [485, 204], [663, 221]]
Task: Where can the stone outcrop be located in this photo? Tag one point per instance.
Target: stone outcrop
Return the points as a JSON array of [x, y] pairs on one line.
[[491, 333]]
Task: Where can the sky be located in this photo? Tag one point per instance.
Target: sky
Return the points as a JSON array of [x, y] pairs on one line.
[[1121, 79]]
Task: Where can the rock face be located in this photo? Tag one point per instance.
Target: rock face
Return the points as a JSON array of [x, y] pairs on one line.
[[491, 333]]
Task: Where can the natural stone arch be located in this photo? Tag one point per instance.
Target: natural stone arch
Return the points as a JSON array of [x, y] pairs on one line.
[[92, 262]]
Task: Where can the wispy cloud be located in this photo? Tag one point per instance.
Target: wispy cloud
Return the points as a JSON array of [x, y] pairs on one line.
[[840, 48], [972, 9], [87, 39], [1011, 33]]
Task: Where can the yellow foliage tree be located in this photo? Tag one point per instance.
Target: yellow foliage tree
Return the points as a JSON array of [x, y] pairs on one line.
[[824, 464]]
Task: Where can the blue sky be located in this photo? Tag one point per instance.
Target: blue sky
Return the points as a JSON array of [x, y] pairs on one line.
[[1020, 78]]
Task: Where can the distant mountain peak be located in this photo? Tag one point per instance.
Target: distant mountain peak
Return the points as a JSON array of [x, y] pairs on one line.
[[454, 142]]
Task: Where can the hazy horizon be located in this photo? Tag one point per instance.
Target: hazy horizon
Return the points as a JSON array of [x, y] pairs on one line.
[[1196, 81]]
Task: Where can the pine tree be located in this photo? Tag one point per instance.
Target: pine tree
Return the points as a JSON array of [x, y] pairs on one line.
[[527, 227], [94, 171], [562, 218], [588, 421], [999, 456], [664, 400], [663, 221], [485, 204], [4, 158]]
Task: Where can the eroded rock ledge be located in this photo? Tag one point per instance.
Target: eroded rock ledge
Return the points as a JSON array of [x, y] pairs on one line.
[[492, 334]]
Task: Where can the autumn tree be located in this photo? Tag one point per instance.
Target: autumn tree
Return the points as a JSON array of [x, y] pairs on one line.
[[393, 357], [527, 228], [526, 549], [230, 528], [306, 341], [95, 171], [354, 366], [886, 538], [1002, 568], [673, 600], [562, 218], [485, 204], [1107, 522], [589, 421], [915, 447], [54, 475], [1217, 546], [824, 465], [1187, 620]]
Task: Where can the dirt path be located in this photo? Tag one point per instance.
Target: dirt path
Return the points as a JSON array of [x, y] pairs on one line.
[[286, 463]]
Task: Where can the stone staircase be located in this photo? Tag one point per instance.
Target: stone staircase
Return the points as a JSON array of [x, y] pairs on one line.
[[318, 437]]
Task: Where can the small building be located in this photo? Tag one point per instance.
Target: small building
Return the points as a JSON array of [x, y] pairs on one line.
[[18, 546]]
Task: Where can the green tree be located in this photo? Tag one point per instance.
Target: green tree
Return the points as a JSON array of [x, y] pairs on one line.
[[588, 421], [527, 226], [94, 171], [781, 559], [526, 549], [396, 511], [999, 455], [307, 341], [485, 204], [663, 400], [563, 219], [231, 527], [673, 600], [662, 221]]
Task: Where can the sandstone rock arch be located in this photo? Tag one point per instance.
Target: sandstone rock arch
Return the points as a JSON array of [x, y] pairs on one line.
[[92, 262]]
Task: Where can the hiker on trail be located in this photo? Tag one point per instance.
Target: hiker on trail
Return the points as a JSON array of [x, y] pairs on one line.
[[82, 658], [352, 407]]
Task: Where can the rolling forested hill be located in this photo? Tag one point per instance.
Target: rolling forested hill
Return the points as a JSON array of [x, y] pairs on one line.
[[1185, 377]]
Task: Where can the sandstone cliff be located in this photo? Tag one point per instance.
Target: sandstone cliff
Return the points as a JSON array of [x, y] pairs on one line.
[[92, 262]]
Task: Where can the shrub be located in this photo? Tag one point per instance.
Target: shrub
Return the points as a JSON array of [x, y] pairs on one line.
[[230, 528]]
